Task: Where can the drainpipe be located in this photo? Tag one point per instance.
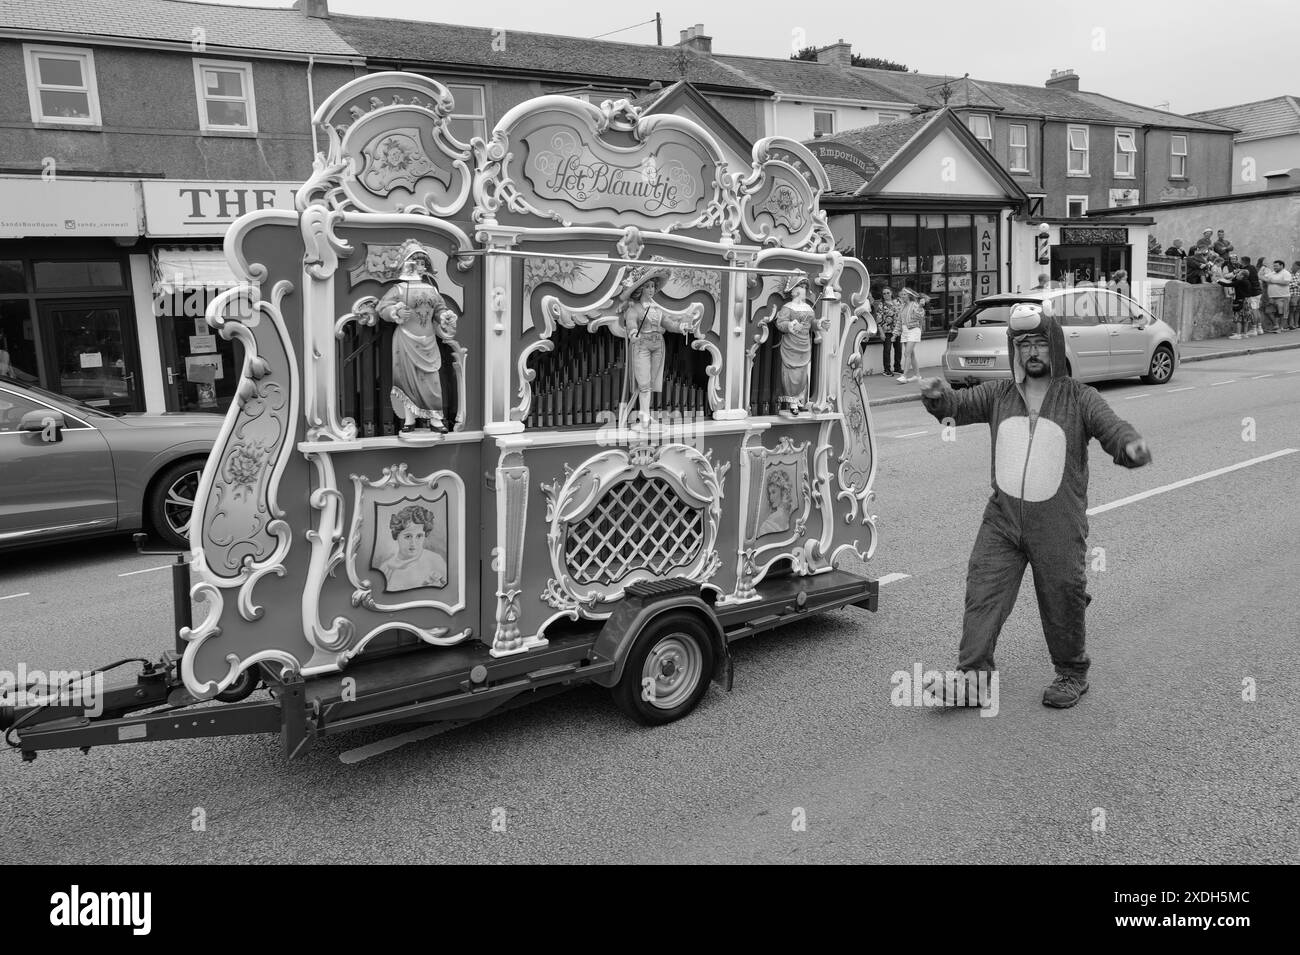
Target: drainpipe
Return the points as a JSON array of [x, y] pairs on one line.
[[311, 103], [1142, 196], [1042, 158], [776, 99]]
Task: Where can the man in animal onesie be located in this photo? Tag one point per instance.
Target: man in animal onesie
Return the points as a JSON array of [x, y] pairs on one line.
[[1041, 422]]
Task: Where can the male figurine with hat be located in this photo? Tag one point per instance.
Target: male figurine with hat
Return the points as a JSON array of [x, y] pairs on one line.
[[1041, 421]]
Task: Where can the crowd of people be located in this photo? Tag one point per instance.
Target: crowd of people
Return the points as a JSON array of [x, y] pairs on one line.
[[1259, 291]]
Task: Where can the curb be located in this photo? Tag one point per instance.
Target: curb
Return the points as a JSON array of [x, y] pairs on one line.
[[1234, 353]]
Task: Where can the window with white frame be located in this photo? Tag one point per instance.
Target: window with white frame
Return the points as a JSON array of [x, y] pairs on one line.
[[225, 93], [469, 115], [1125, 154], [883, 117], [1078, 150], [61, 85], [1076, 206], [1178, 157], [982, 127], [1018, 156], [823, 122]]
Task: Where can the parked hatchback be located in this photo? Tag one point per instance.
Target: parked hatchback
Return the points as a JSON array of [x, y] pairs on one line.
[[68, 470], [1107, 335]]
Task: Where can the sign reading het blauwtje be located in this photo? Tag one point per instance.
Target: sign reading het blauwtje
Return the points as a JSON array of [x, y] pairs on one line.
[[562, 165]]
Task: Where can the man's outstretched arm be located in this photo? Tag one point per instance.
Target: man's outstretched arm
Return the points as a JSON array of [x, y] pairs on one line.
[[1120, 439], [969, 406]]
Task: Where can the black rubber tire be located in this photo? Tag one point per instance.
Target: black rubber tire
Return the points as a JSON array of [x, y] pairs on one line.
[[675, 625], [1156, 375], [244, 685], [164, 513]]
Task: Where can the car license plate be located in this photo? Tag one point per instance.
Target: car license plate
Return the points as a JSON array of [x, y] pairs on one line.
[[978, 362]]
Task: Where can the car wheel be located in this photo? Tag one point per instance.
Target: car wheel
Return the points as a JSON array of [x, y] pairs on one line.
[[1162, 366], [667, 671], [171, 502]]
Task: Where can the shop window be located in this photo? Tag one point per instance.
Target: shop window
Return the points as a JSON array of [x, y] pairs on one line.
[[982, 127], [1018, 157], [18, 342], [1178, 157], [469, 115], [11, 276], [873, 243], [1078, 150], [225, 91], [65, 276], [823, 122], [61, 85], [1125, 154]]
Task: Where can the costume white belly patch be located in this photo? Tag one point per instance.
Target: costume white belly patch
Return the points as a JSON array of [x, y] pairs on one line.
[[1045, 457]]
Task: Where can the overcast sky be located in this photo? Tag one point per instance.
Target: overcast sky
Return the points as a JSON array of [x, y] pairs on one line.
[[1191, 55]]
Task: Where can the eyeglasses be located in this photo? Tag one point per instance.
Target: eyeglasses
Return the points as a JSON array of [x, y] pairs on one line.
[[1032, 346]]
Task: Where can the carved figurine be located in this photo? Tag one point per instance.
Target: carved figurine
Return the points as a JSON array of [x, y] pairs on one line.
[[644, 323], [795, 321], [422, 317]]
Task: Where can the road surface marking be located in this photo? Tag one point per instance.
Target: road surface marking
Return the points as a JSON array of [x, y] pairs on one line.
[[892, 578], [1258, 377], [1217, 383], [379, 747], [25, 593], [147, 570], [1145, 394], [1186, 481], [1173, 390], [910, 434]]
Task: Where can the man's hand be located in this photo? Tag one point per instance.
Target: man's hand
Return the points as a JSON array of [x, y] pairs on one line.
[[1138, 452], [934, 387]]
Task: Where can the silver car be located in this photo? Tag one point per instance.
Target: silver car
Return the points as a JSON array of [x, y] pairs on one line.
[[1107, 335], [68, 470]]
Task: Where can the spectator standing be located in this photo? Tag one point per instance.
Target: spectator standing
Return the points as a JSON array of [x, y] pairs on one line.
[[1237, 280], [1253, 301], [1277, 284], [1044, 282], [910, 318], [1119, 283], [1221, 245], [1293, 316], [1206, 241], [1177, 249], [887, 323]]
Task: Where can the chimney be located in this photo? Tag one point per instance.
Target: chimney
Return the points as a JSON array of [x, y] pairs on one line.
[[1063, 80], [320, 9], [837, 54], [694, 39]]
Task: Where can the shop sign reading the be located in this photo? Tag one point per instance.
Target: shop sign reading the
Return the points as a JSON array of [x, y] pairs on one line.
[[178, 207]]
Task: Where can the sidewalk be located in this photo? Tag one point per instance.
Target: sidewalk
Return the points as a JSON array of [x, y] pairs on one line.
[[882, 390]]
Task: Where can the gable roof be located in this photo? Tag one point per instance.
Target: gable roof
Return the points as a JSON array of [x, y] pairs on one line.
[[256, 28], [1267, 117], [671, 98], [809, 78], [413, 43], [890, 146]]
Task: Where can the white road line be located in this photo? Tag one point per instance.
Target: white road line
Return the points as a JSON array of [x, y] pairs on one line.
[[910, 434], [1145, 394], [1258, 377], [1216, 384], [1186, 481], [1173, 390], [892, 578], [25, 593], [147, 570]]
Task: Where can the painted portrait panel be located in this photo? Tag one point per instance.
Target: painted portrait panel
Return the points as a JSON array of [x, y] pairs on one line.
[[411, 542]]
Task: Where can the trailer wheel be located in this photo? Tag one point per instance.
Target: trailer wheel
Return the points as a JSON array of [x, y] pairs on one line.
[[667, 670], [243, 686]]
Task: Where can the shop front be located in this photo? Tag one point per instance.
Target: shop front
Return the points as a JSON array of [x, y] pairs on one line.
[[1074, 251], [67, 320]]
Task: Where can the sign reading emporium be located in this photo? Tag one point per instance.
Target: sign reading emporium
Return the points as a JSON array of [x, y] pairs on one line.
[[665, 181]]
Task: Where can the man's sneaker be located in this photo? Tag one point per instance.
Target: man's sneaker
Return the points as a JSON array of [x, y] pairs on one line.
[[1065, 692], [1236, 337], [949, 696]]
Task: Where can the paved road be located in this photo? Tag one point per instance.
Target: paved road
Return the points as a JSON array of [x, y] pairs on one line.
[[1197, 594]]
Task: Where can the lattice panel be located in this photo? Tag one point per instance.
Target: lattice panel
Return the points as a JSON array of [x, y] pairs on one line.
[[639, 523]]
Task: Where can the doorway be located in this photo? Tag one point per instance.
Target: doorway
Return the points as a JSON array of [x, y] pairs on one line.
[[91, 353]]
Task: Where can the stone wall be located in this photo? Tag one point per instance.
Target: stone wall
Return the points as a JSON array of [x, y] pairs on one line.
[[1197, 312]]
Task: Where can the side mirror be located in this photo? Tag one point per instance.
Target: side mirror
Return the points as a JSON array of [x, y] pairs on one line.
[[48, 424]]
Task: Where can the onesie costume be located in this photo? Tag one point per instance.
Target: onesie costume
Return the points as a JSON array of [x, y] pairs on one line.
[[1038, 511]]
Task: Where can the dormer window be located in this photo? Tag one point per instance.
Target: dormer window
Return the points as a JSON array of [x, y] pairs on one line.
[[982, 126]]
